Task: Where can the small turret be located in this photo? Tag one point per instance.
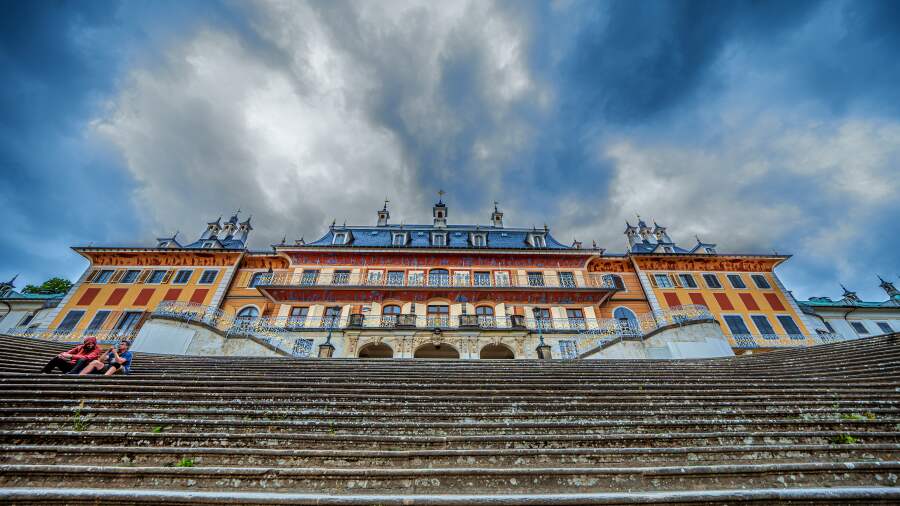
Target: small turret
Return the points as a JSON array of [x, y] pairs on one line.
[[439, 211], [849, 296], [244, 230], [212, 229], [889, 288], [7, 286], [231, 226], [660, 233], [631, 232], [384, 215], [497, 217], [645, 231]]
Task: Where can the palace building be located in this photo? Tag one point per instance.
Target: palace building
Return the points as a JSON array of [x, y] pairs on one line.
[[439, 290]]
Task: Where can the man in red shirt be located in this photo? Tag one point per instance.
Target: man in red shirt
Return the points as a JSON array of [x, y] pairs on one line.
[[76, 358]]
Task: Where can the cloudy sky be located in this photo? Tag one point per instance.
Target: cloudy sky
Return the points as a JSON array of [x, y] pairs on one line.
[[758, 125]]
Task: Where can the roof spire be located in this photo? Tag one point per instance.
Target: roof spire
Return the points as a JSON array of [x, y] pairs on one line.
[[441, 194]]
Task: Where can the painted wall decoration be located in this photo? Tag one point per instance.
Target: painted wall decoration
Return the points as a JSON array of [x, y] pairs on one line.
[[433, 260]]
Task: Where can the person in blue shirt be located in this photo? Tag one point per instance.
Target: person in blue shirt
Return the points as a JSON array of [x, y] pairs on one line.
[[115, 360]]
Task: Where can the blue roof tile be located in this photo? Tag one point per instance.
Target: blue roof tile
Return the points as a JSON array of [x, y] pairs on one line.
[[419, 236]]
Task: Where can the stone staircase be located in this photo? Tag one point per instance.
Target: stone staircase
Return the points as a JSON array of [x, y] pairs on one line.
[[802, 426]]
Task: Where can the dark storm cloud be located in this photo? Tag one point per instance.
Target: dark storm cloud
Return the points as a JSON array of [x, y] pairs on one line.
[[736, 120]]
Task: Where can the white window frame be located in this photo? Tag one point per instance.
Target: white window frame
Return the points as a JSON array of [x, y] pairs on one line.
[[668, 281], [476, 238], [375, 277], [443, 237], [756, 278], [203, 275], [501, 278], [178, 274], [99, 274], [339, 238], [886, 324], [416, 278], [861, 324], [716, 277], [710, 251], [538, 241], [690, 276], [398, 235], [461, 278]]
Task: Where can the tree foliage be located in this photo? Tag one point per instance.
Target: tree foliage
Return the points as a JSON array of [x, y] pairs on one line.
[[52, 285]]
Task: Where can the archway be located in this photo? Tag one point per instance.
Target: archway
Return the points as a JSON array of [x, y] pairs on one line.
[[496, 352], [376, 350], [442, 350]]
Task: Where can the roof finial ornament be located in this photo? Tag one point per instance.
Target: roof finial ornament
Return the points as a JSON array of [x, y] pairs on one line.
[[495, 206], [284, 239], [386, 202], [441, 194], [333, 222], [176, 234], [698, 239], [594, 243]]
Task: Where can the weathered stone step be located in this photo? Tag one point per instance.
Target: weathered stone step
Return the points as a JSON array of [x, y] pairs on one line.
[[265, 457], [163, 435], [136, 423], [443, 480], [511, 414], [795, 496]]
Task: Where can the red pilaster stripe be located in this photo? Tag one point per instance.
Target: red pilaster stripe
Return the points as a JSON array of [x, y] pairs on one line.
[[723, 301], [88, 296], [116, 296], [749, 301]]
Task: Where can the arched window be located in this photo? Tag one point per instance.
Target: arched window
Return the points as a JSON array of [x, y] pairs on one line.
[[248, 313], [615, 280], [438, 277], [627, 320], [389, 315], [485, 316]]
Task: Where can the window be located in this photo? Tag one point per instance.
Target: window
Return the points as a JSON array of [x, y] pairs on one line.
[[416, 278], [663, 281], [485, 315], [332, 317], [438, 277], [790, 327], [614, 280], [209, 244], [535, 279], [885, 327], [687, 281], [438, 316], [482, 279], [542, 318], [98, 321], [128, 322], [859, 327], [248, 314], [182, 277], [395, 278], [309, 277], [479, 241], [103, 276], [829, 327], [398, 239], [736, 281], [763, 325], [501, 278], [460, 278], [156, 277], [538, 241], [374, 277], [208, 277], [340, 238], [259, 278], [26, 320], [761, 282], [628, 322], [712, 281], [438, 240], [297, 318], [389, 315], [130, 276], [71, 320], [711, 251], [576, 318], [668, 249], [341, 278], [736, 325], [567, 279]]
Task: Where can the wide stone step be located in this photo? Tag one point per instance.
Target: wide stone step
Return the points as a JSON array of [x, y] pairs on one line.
[[460, 479], [518, 457], [795, 496]]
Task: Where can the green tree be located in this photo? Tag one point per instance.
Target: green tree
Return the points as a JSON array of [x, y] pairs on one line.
[[52, 285]]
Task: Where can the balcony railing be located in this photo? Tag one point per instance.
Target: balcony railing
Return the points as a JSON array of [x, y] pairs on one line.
[[108, 336], [751, 341], [353, 279]]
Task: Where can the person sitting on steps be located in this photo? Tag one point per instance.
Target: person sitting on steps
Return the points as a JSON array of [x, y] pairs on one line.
[[115, 360], [75, 359]]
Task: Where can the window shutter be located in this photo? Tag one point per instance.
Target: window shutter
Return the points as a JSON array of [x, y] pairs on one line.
[[111, 320], [167, 277], [653, 280], [143, 275], [117, 276], [675, 281], [92, 275]]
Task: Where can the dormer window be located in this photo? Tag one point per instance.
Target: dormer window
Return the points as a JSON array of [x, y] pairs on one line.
[[438, 240], [209, 244], [538, 241], [711, 251], [479, 240], [340, 238], [164, 244], [399, 239], [668, 249]]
